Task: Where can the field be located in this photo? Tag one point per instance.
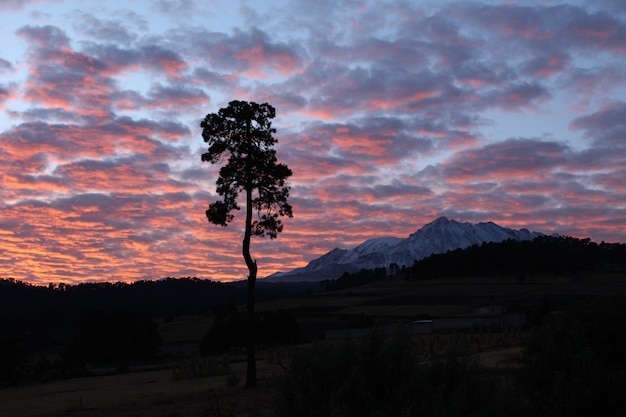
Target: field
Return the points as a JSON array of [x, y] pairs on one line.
[[150, 393], [155, 392]]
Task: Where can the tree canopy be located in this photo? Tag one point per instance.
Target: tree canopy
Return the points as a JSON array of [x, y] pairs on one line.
[[242, 133]]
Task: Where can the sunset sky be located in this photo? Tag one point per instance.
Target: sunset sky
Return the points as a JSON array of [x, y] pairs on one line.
[[389, 113]]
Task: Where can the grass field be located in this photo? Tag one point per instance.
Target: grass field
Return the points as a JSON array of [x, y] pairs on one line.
[[151, 393]]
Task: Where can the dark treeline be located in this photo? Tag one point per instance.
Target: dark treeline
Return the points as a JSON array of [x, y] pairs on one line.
[[92, 322], [55, 331], [554, 255], [543, 255], [21, 302], [64, 303], [353, 279]]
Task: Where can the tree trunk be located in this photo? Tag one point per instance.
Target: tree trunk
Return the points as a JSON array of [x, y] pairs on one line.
[[252, 268], [250, 263]]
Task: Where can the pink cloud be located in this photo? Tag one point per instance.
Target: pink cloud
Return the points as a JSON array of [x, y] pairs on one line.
[[6, 93], [259, 56], [161, 59], [549, 65], [514, 158], [251, 52]]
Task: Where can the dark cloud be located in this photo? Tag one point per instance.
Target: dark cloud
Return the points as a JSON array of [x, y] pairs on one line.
[[587, 84], [106, 30], [616, 6], [48, 37], [118, 57], [251, 52], [210, 78], [184, 7], [547, 65], [5, 65], [560, 27], [398, 191], [165, 129], [179, 97], [35, 114], [160, 58], [6, 92], [513, 158], [517, 97], [606, 127], [149, 54]]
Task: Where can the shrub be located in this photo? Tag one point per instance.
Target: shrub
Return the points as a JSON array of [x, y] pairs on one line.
[[116, 338], [574, 362], [380, 376], [200, 368], [271, 328]]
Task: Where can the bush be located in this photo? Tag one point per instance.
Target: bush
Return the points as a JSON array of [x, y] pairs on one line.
[[200, 368], [13, 359], [574, 363], [271, 328], [380, 376], [115, 339]]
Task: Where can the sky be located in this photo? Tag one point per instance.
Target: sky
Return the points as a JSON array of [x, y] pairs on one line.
[[389, 113]]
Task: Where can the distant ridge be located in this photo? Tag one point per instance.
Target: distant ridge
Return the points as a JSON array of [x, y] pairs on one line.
[[436, 237]]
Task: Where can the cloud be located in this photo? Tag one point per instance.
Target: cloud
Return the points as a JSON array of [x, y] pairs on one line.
[[606, 127], [176, 97], [247, 53], [119, 232], [20, 4], [389, 113], [6, 93], [48, 38], [512, 158], [110, 30], [589, 86], [5, 65], [566, 26], [548, 65], [516, 97], [159, 58]]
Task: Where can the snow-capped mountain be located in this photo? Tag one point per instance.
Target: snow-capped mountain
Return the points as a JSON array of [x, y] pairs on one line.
[[436, 237]]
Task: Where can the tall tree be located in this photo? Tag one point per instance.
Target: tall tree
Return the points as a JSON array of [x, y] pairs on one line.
[[242, 134]]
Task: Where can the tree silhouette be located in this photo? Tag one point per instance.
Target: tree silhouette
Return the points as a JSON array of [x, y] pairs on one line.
[[242, 134]]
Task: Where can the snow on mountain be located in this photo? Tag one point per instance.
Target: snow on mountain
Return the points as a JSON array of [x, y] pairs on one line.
[[436, 237]]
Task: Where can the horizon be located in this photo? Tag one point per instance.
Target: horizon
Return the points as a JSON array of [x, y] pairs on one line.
[[390, 115], [262, 279]]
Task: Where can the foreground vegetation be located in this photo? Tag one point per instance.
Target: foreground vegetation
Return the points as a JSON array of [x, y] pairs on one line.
[[381, 376], [572, 364]]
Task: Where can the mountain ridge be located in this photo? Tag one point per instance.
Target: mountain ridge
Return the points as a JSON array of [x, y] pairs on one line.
[[438, 236]]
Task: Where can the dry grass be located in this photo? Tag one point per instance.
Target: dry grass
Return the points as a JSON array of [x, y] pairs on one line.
[[154, 394]]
